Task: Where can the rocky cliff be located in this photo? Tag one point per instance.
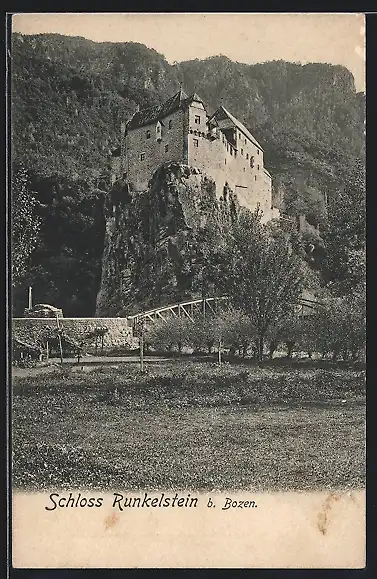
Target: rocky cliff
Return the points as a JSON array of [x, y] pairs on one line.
[[70, 95], [156, 241]]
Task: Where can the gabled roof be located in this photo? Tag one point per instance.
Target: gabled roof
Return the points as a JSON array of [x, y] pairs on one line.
[[152, 114], [223, 114], [267, 172]]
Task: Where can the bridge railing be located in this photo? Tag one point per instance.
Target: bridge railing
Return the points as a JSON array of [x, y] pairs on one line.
[[192, 308]]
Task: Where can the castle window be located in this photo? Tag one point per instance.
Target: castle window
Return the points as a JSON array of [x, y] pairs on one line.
[[142, 156], [148, 134], [166, 148], [158, 128], [231, 151], [245, 141], [258, 151], [247, 155], [251, 162], [196, 142], [241, 151], [244, 169], [255, 177], [258, 167], [197, 119], [224, 161], [170, 124]]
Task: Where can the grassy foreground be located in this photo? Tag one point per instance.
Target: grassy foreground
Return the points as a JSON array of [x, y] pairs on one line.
[[190, 425]]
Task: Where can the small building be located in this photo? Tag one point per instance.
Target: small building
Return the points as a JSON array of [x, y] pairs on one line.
[[182, 131], [21, 350]]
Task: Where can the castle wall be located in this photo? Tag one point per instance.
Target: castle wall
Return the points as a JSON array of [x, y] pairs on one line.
[[140, 170], [224, 164], [188, 142]]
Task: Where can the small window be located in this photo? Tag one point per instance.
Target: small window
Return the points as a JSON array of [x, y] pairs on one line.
[[170, 124], [148, 134], [251, 162], [244, 169], [224, 161], [258, 166], [197, 119], [258, 151], [142, 156], [255, 177], [231, 151], [158, 129], [245, 141], [196, 142], [166, 148], [241, 151], [247, 155]]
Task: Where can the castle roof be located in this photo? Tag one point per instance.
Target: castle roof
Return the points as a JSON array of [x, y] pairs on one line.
[[267, 172], [223, 114], [152, 114]]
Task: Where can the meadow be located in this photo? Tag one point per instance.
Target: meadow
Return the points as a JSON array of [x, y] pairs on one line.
[[190, 425]]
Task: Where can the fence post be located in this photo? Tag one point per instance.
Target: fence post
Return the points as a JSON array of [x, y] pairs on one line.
[[141, 344], [60, 339]]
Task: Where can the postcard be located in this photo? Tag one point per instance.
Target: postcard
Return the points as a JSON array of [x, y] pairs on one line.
[[187, 290]]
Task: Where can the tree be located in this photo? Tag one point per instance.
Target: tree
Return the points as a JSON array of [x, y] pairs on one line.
[[25, 224], [344, 239], [174, 332], [238, 331], [260, 273], [339, 328], [290, 332]]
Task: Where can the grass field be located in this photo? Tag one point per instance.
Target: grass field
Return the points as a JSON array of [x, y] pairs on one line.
[[190, 425]]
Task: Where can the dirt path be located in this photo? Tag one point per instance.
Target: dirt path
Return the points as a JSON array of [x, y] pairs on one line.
[[90, 363]]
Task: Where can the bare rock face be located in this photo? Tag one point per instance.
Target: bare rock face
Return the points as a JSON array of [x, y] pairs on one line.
[[156, 242]]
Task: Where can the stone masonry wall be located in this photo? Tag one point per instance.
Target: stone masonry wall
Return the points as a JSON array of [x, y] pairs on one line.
[[119, 334], [140, 171]]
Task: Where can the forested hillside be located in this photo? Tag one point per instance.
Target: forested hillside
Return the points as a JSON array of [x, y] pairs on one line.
[[70, 95]]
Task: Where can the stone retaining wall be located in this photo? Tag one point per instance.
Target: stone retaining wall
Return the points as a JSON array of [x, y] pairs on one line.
[[119, 334]]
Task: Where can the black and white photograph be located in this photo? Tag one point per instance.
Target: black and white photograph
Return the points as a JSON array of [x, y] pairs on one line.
[[188, 288]]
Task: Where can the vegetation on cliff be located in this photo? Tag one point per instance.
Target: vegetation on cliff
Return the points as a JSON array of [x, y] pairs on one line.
[[70, 95]]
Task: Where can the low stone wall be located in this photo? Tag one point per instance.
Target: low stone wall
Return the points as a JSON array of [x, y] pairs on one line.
[[119, 334]]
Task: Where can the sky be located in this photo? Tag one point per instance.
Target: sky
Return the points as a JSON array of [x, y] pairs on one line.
[[243, 37]]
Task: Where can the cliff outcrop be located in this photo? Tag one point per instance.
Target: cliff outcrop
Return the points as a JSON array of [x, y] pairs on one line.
[[156, 242]]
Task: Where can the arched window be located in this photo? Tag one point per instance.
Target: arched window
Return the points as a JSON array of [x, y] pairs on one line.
[[170, 124]]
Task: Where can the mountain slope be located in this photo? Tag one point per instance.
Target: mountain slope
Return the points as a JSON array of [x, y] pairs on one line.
[[70, 95]]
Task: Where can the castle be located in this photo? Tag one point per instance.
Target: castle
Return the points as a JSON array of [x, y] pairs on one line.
[[180, 130]]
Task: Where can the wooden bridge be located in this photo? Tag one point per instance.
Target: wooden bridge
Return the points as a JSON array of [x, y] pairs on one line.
[[205, 306]]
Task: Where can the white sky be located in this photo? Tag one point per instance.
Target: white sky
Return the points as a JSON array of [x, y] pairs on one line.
[[249, 37]]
